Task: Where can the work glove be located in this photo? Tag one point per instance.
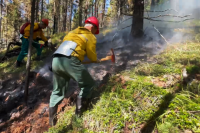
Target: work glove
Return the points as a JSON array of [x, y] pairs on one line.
[[46, 44], [38, 39]]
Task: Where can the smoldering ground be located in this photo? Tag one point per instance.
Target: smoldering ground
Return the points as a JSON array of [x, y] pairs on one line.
[[129, 51]]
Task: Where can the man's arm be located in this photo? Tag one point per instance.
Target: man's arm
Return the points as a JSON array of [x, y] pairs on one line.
[[42, 36], [91, 50]]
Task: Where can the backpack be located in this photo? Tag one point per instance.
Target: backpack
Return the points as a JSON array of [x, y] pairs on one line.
[[24, 26]]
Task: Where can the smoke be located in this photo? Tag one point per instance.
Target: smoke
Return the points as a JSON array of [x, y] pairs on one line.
[[131, 51], [183, 12], [44, 70]]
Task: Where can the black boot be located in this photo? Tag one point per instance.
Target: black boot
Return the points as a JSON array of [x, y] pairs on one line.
[[81, 105], [52, 115], [18, 63]]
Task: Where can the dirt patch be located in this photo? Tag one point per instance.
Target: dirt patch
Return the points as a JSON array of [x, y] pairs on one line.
[[166, 81], [127, 128], [33, 118]]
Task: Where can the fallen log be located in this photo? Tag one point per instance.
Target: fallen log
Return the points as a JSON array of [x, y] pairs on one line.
[[11, 44]]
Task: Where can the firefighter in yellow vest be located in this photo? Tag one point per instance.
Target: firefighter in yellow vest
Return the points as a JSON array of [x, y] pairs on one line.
[[37, 32], [67, 64]]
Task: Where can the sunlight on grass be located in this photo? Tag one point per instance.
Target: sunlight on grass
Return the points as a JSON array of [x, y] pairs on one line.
[[8, 66], [131, 104]]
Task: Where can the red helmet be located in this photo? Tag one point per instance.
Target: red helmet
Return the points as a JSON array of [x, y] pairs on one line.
[[46, 21], [93, 20]]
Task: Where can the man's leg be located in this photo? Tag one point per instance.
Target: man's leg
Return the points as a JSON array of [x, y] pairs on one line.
[[23, 52], [60, 85], [78, 72], [39, 49]]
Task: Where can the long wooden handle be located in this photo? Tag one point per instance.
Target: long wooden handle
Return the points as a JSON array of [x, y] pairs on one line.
[[106, 58], [102, 59]]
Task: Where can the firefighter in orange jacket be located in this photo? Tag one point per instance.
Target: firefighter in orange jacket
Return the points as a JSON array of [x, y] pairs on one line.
[[67, 64], [25, 42]]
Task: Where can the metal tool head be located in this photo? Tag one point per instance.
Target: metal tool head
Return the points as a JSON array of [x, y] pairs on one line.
[[112, 56]]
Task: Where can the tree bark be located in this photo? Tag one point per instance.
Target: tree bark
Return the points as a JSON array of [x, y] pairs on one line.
[[121, 4], [95, 8], [58, 14], [64, 15], [86, 11], [118, 11], [70, 21], [1, 17], [92, 8], [55, 24], [80, 12], [37, 9], [28, 64], [6, 26], [137, 23], [42, 9], [103, 13]]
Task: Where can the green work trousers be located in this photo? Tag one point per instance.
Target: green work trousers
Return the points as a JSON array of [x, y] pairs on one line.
[[24, 48], [65, 68]]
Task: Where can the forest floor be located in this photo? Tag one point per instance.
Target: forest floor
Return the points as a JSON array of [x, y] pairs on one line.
[[155, 96], [148, 89]]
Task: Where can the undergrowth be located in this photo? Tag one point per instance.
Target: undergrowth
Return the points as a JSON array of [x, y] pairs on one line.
[[8, 69], [139, 104]]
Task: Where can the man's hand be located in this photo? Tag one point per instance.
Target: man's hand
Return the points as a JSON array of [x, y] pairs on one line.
[[46, 44]]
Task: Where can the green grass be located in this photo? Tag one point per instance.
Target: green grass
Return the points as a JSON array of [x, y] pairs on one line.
[[57, 38], [139, 102]]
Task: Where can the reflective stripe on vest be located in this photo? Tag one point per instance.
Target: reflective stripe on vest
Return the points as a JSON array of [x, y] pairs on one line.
[[66, 48]]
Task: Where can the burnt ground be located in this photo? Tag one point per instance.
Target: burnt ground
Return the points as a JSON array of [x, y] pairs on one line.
[[15, 117]]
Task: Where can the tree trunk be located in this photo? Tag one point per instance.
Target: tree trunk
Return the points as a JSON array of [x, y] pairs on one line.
[[28, 64], [64, 15], [37, 9], [58, 14], [70, 21], [42, 9], [103, 13], [6, 26], [137, 23], [1, 17], [92, 8], [55, 29], [80, 12], [121, 4], [95, 8], [86, 11], [118, 11]]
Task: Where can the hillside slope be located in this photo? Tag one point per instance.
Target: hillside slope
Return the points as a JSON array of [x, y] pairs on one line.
[[158, 95]]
